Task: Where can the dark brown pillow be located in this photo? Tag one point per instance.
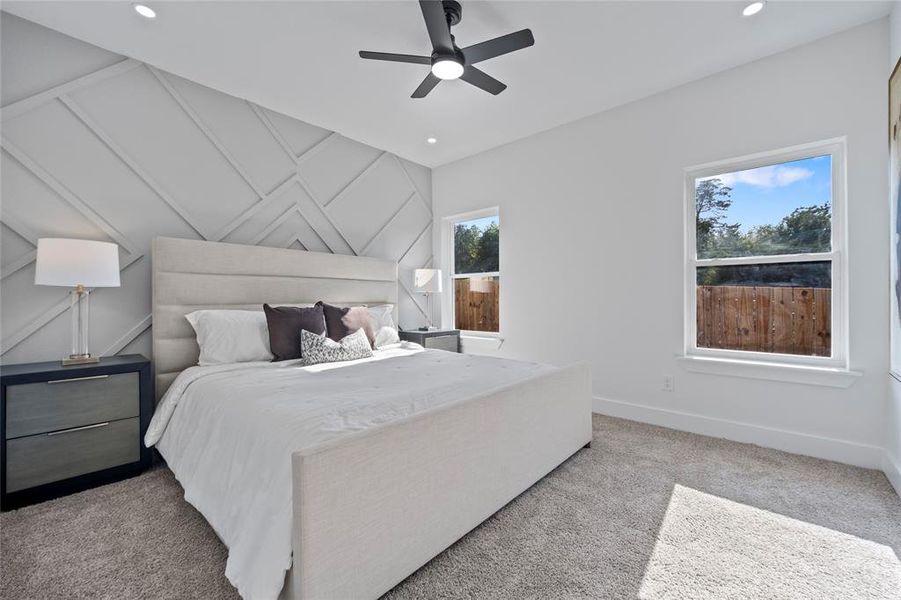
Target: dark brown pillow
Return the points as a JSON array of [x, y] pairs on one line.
[[285, 323], [340, 322]]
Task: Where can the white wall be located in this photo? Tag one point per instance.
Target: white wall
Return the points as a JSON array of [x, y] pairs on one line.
[[591, 242], [892, 458], [125, 154]]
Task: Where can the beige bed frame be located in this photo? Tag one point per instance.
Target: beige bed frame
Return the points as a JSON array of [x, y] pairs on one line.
[[371, 508]]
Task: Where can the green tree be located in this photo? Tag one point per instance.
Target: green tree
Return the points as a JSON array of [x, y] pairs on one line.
[[488, 259], [476, 250], [466, 247], [712, 201], [806, 229]]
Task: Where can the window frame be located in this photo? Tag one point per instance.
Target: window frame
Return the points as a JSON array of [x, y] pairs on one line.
[[449, 316], [836, 148]]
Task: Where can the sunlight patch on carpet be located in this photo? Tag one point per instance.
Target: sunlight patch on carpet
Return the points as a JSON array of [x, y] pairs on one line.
[[710, 547]]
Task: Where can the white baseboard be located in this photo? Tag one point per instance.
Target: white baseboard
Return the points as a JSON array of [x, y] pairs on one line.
[[892, 469], [852, 453]]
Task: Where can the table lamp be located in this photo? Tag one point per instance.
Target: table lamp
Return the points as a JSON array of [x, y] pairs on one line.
[[79, 264], [428, 282]]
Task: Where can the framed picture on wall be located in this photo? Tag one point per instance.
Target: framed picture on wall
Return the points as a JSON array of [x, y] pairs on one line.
[[894, 96]]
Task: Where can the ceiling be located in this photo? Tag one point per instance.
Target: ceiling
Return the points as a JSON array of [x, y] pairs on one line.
[[300, 58]]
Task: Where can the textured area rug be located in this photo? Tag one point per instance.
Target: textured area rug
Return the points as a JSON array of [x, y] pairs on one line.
[[646, 512]]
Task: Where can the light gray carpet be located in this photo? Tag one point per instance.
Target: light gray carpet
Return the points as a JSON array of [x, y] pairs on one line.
[[645, 513]]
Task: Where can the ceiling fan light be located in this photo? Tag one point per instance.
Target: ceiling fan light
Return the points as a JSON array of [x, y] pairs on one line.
[[447, 68]]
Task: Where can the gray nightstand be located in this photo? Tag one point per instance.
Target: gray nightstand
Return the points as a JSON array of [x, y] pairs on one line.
[[66, 429], [438, 339]]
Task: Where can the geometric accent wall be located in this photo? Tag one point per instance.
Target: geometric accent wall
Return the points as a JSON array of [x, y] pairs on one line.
[[120, 151]]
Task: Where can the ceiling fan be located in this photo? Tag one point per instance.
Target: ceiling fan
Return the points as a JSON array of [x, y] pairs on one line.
[[449, 61]]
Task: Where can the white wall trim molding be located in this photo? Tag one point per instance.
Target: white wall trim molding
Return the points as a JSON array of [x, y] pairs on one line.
[[267, 122], [350, 184], [130, 336], [843, 451], [388, 223], [412, 296], [318, 147], [255, 208], [309, 191], [416, 240], [892, 469], [77, 203], [19, 228], [25, 105], [132, 164], [195, 196], [198, 121], [412, 183]]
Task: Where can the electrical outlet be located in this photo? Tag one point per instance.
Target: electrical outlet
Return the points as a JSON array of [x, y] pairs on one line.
[[669, 383]]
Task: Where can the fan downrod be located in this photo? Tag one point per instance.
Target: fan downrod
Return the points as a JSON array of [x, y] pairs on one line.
[[453, 12]]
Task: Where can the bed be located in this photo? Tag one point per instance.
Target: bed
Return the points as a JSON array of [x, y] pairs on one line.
[[340, 480]]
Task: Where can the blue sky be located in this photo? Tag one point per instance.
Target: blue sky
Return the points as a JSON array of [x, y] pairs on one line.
[[766, 194], [482, 223]]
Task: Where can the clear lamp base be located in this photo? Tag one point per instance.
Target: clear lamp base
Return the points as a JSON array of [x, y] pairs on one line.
[[81, 315], [80, 359]]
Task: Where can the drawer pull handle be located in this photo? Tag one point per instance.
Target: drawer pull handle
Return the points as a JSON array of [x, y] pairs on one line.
[[79, 379], [94, 426]]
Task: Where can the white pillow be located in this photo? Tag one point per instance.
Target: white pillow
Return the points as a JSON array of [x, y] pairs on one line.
[[230, 336], [382, 320]]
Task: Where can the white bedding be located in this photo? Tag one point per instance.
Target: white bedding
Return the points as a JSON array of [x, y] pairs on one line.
[[228, 433]]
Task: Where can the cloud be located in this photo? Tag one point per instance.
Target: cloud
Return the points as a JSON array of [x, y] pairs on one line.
[[766, 177]]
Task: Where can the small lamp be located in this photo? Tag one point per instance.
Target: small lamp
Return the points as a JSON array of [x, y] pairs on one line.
[[428, 282], [79, 264]]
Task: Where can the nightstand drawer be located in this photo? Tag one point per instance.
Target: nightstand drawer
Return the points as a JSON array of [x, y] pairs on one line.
[[442, 342], [44, 458], [64, 403]]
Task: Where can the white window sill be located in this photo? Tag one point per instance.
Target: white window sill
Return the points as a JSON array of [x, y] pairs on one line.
[[803, 374], [480, 335], [475, 342]]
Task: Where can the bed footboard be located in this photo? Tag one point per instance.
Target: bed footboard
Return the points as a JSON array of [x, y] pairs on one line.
[[372, 508]]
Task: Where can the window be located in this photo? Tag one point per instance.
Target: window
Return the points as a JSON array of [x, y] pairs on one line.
[[764, 270], [475, 271]]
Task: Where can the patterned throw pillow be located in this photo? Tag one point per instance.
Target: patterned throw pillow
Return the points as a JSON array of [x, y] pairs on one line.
[[317, 349]]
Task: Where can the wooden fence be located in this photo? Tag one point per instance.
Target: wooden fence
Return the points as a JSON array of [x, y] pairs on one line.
[[477, 310], [786, 320]]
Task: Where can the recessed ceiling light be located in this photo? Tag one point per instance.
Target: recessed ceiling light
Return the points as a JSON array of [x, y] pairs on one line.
[[145, 11], [432, 140], [753, 8]]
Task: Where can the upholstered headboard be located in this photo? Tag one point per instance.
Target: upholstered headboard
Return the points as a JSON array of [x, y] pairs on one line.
[[189, 275]]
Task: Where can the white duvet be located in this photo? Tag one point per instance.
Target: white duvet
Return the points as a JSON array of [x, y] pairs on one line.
[[228, 433]]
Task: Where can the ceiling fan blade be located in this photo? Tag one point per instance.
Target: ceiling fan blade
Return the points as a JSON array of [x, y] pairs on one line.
[[482, 80], [427, 85], [498, 46], [436, 23], [404, 58]]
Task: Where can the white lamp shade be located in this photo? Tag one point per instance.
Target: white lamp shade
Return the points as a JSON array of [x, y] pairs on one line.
[[427, 281], [69, 263]]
